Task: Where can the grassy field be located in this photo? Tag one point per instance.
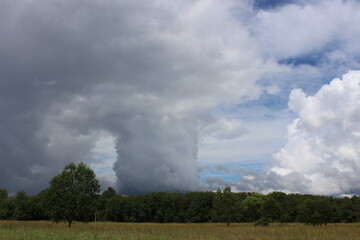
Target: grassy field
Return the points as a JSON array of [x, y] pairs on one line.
[[47, 230]]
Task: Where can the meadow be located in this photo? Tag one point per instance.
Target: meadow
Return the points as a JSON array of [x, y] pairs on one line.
[[43, 230]]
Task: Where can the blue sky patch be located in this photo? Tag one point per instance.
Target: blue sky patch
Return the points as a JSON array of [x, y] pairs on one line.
[[232, 171], [269, 4]]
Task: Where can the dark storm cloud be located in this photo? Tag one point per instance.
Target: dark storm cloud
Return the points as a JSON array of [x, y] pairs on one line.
[[146, 72], [150, 74], [43, 61]]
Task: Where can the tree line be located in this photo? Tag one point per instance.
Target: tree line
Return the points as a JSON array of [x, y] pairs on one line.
[[73, 195]]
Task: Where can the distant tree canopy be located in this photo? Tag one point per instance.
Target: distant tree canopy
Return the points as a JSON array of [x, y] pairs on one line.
[[73, 195], [4, 199], [251, 207], [224, 206], [315, 211]]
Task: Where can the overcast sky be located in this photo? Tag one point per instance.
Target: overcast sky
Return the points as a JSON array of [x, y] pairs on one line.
[[182, 95]]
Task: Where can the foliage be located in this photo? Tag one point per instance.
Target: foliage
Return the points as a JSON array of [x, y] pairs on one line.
[[263, 221], [72, 193], [109, 193], [200, 206], [315, 211], [194, 207], [224, 205], [251, 207], [270, 209], [115, 209], [4, 204]]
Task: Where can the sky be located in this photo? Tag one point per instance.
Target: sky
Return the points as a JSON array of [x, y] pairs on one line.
[[182, 95]]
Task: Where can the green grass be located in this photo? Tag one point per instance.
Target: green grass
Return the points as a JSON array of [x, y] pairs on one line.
[[138, 231]]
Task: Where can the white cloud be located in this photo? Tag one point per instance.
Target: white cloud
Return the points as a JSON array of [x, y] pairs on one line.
[[104, 158], [223, 129], [295, 30], [262, 134], [323, 142]]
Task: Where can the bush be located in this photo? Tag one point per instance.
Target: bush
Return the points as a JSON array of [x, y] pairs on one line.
[[263, 221]]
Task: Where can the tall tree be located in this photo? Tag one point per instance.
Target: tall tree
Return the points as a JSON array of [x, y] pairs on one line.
[[115, 208], [21, 206], [4, 202], [109, 193], [315, 211], [284, 204], [224, 205], [270, 211], [251, 207], [72, 193]]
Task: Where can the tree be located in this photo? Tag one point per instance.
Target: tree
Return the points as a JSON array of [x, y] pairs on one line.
[[115, 209], [4, 202], [270, 211], [21, 206], [101, 203], [346, 211], [251, 207], [109, 193], [200, 206], [315, 211], [224, 205], [72, 193], [284, 204], [356, 201]]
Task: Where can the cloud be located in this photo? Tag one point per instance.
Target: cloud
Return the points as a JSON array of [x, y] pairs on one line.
[[252, 181], [263, 132], [223, 129], [148, 73], [321, 155], [319, 25], [153, 75], [323, 45], [323, 142]]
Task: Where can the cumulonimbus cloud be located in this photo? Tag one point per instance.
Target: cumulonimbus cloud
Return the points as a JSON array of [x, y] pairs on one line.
[[322, 152], [148, 73], [324, 141]]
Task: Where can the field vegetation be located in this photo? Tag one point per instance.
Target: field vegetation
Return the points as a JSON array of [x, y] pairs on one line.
[[26, 230]]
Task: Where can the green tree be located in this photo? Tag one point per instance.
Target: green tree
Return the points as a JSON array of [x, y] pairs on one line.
[[21, 206], [271, 208], [101, 203], [4, 204], [115, 208], [346, 210], [251, 207], [270, 211], [72, 193], [36, 208], [284, 203], [224, 205], [315, 211], [3, 195], [356, 201], [200, 206], [109, 193]]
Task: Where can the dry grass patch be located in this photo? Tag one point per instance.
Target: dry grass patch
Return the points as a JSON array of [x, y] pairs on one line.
[[16, 230]]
